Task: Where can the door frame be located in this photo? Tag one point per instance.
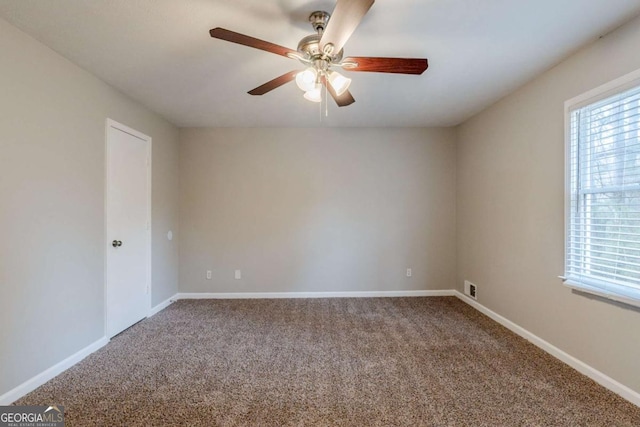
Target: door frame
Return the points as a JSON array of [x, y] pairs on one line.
[[110, 123]]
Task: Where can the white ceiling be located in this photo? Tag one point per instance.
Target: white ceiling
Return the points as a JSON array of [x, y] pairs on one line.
[[160, 53]]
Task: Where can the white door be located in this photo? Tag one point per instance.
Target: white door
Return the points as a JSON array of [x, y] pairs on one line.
[[128, 227]]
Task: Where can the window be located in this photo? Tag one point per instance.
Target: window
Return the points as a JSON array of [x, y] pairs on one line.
[[602, 253]]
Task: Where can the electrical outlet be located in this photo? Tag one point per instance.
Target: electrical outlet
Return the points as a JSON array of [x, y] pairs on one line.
[[208, 274], [470, 289], [409, 273], [238, 274]]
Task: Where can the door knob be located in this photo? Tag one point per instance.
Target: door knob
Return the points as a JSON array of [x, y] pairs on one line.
[[116, 243]]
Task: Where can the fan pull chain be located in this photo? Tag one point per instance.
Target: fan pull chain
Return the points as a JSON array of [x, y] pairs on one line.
[[326, 101]]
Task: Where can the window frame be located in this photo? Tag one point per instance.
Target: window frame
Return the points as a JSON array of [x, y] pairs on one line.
[[615, 292]]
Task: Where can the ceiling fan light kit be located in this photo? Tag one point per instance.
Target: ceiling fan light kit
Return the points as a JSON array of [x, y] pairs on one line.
[[321, 51]]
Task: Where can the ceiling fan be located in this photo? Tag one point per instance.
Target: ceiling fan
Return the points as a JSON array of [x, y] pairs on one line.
[[323, 51]]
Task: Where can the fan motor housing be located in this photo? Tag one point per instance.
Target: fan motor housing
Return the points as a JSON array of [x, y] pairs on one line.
[[310, 45]]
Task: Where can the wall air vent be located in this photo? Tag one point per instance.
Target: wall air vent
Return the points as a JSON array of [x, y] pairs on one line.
[[470, 289]]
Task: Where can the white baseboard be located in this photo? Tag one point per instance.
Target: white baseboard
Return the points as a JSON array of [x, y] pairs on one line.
[[348, 294], [602, 379], [35, 382], [164, 304]]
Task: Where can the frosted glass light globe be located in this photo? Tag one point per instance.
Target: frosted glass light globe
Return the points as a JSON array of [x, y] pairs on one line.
[[306, 80], [314, 95], [339, 83]]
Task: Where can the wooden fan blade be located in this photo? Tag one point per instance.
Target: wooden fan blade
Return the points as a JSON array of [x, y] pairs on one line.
[[230, 36], [343, 22], [387, 65], [343, 100], [275, 83]]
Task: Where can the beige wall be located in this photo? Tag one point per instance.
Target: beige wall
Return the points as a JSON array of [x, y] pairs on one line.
[[510, 225], [317, 209], [52, 137]]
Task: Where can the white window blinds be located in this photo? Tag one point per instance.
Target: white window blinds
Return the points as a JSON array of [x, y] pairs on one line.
[[603, 235]]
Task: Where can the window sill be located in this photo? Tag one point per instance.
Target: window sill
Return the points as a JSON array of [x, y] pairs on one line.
[[624, 295]]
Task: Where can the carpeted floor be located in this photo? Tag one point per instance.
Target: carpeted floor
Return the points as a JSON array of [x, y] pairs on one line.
[[327, 362]]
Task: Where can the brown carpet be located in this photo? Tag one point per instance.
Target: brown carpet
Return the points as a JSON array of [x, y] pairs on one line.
[[327, 362]]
